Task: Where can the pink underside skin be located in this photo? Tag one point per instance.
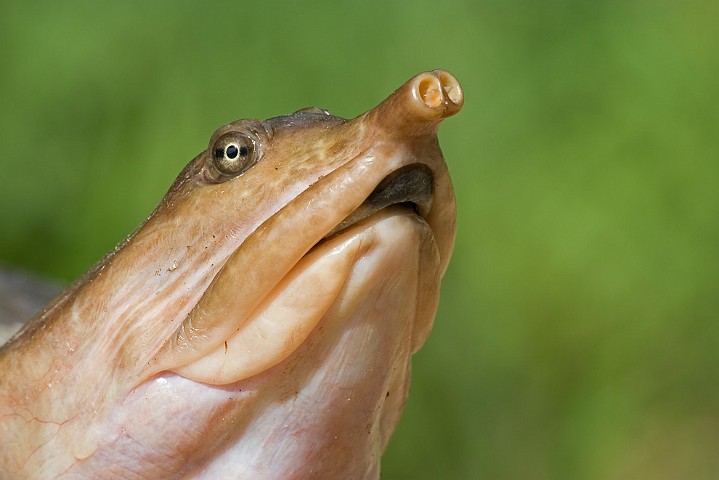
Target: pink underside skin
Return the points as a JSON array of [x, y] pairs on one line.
[[326, 411]]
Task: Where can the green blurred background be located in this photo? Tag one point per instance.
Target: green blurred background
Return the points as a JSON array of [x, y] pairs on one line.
[[577, 336]]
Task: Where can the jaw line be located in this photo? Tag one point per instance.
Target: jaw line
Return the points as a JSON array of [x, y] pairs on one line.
[[291, 311]]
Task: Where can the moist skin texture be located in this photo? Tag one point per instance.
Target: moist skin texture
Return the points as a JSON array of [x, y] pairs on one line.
[[229, 336]]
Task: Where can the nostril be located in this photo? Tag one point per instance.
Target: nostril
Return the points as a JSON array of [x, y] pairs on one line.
[[430, 90], [451, 87]]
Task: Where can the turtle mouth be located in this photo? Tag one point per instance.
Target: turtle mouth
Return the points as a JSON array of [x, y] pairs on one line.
[[411, 186]]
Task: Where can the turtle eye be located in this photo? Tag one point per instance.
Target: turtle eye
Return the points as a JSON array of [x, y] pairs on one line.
[[233, 153]]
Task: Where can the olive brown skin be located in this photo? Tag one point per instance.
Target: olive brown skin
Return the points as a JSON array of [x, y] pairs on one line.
[[261, 322]]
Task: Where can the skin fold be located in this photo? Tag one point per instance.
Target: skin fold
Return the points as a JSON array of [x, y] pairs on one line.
[[261, 322]]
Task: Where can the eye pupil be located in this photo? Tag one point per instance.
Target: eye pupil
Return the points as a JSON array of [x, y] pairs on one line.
[[244, 150], [219, 152], [232, 151]]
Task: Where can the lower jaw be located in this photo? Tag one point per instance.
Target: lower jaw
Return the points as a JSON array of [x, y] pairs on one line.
[[325, 411]]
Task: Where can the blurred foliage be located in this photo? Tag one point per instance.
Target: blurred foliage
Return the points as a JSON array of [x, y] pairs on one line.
[[578, 333]]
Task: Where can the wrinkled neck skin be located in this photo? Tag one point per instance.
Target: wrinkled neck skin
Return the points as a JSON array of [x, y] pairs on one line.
[[230, 336]]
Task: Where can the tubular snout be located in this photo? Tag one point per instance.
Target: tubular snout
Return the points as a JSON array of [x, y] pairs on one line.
[[418, 106]]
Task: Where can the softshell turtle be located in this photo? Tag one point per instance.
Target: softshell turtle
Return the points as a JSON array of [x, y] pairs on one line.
[[260, 323]]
